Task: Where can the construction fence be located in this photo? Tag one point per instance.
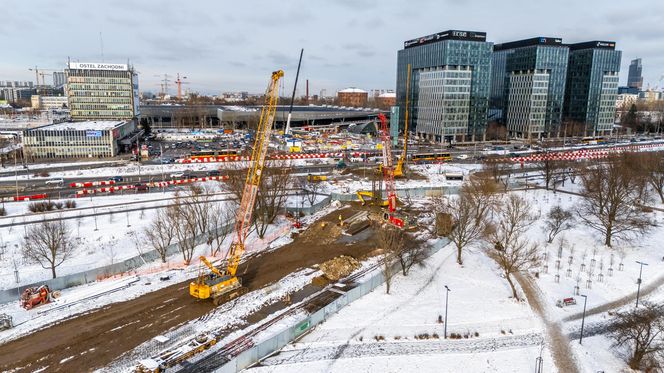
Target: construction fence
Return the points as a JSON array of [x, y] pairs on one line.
[[264, 348]]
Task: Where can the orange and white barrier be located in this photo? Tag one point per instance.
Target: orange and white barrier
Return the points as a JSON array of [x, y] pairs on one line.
[[89, 184]]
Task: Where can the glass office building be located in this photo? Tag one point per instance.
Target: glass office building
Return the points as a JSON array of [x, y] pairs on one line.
[[592, 85], [532, 82], [449, 85], [634, 76]]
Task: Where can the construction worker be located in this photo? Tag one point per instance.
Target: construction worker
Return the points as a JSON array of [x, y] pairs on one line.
[[341, 221]]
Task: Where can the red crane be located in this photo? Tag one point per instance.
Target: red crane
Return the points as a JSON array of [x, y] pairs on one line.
[[388, 173]]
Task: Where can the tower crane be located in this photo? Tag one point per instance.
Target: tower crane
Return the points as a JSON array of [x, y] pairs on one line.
[[223, 284], [179, 82], [163, 83], [40, 72]]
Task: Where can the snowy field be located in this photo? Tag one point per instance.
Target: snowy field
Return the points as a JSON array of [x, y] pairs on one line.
[[100, 240], [509, 334]]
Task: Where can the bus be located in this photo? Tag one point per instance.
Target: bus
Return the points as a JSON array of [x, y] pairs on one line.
[[597, 140], [431, 157], [197, 154]]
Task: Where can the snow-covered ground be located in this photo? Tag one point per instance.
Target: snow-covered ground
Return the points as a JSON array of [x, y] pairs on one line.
[[509, 335]]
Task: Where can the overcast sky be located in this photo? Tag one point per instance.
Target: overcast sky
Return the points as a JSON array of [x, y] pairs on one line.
[[234, 45]]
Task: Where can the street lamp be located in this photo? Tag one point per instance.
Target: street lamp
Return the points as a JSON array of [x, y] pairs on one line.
[[583, 318], [638, 289], [447, 292]]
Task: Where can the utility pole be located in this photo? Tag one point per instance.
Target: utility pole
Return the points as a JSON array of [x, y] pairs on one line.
[[583, 318], [447, 292], [638, 289]]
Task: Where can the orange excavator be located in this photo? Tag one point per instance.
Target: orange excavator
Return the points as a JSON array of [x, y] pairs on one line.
[[222, 284]]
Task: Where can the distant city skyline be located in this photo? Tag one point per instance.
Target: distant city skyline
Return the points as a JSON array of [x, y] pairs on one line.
[[347, 43]]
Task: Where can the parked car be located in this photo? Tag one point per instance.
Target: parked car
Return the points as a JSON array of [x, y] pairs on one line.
[[117, 179], [213, 173]]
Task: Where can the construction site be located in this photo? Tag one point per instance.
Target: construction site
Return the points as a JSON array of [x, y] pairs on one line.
[[326, 248]]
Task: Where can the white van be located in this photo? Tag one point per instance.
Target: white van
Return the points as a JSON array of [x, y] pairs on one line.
[[59, 181]]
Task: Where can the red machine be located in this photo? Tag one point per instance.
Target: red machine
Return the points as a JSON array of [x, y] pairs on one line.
[[388, 174], [33, 297]]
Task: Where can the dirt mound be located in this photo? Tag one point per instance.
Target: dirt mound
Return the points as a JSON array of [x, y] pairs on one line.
[[339, 267]]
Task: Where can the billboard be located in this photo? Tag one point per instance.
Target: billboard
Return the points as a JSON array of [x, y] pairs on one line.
[[90, 133], [98, 66]]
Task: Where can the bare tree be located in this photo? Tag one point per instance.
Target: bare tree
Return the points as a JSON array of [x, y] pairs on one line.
[[271, 198], [654, 163], [550, 167], [49, 244], [557, 220], [642, 330], [312, 188], [221, 224], [513, 253], [390, 241], [465, 229], [611, 202], [519, 256], [161, 233], [402, 247], [183, 218], [482, 194]]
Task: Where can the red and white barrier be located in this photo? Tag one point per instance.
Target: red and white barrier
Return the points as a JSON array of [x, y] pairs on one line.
[[89, 184], [29, 198]]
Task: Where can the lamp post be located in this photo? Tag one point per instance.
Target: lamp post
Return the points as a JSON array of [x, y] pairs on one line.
[[638, 282], [583, 318], [447, 292]]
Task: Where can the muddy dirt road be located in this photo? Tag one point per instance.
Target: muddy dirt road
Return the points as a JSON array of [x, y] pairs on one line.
[[92, 340]]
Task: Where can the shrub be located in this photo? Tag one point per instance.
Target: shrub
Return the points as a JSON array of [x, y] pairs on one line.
[[59, 205], [435, 336], [477, 334], [42, 206], [3, 211], [70, 204]]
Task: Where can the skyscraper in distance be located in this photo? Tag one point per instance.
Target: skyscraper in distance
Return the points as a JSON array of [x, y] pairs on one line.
[[634, 77]]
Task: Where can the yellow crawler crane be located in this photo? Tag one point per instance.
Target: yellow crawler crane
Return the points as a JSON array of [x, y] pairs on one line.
[[222, 284]]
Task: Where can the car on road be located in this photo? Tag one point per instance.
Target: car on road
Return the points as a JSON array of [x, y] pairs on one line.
[[58, 181], [167, 160], [117, 179], [177, 175], [213, 173], [462, 156], [141, 188]]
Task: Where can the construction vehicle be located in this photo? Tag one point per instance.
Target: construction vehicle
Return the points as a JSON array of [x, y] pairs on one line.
[[36, 296], [388, 175], [374, 197], [223, 285], [398, 170]]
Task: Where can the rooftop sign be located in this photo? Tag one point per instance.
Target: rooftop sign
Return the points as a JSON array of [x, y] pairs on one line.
[[446, 35], [98, 66]]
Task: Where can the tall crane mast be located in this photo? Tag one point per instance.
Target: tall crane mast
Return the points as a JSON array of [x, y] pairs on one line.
[[388, 173], [180, 82], [402, 159], [224, 285]]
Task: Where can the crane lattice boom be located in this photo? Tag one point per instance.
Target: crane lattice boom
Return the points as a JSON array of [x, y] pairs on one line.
[[258, 157], [388, 164]]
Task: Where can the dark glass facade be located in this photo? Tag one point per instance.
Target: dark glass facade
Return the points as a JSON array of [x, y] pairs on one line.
[[541, 58], [592, 85], [446, 57], [634, 77]]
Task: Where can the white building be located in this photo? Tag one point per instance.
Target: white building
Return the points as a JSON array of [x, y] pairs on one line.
[[526, 111], [444, 102], [99, 139], [626, 99]]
